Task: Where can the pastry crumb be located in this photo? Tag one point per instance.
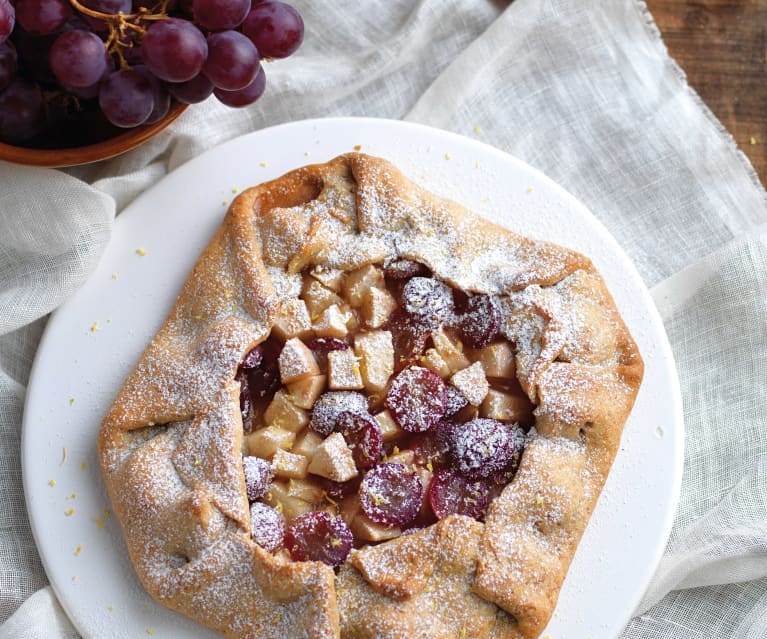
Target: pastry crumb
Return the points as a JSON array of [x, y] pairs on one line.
[[477, 129], [149, 631], [74, 577], [476, 164], [83, 466], [77, 551], [529, 189], [63, 456], [235, 189], [358, 147], [448, 156], [71, 401], [69, 512], [263, 165], [94, 326], [141, 251], [225, 202], [115, 276], [110, 609], [52, 483], [752, 140]]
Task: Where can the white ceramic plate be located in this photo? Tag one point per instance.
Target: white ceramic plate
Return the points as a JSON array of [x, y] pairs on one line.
[[94, 340]]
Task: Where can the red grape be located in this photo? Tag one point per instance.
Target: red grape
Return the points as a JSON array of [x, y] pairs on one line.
[[403, 269], [258, 476], [126, 98], [409, 339], [450, 493], [483, 447], [7, 19], [192, 91], [329, 406], [232, 62], [41, 17], [428, 301], [480, 322], [455, 401], [246, 96], [417, 399], [78, 58], [267, 526], [174, 50], [276, 28], [321, 346], [391, 494], [9, 63], [22, 110], [363, 436], [112, 7], [219, 15], [253, 358], [319, 536]]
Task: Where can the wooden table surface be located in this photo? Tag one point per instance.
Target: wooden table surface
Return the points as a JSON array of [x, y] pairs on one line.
[[722, 46]]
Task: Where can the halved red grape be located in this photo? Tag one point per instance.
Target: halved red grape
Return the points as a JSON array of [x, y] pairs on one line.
[[79, 58], [174, 49], [451, 493], [267, 526], [330, 405], [403, 268], [363, 436], [319, 536], [408, 338], [40, 17], [276, 28], [258, 476], [337, 490], [233, 60], [428, 301], [264, 378], [245, 96], [480, 322], [218, 15], [417, 399], [321, 346], [455, 401], [391, 494], [482, 447], [192, 91]]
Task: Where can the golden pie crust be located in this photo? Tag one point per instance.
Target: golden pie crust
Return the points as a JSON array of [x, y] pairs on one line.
[[171, 444]]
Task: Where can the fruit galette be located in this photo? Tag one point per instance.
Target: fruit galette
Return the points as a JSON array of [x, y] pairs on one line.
[[370, 414]]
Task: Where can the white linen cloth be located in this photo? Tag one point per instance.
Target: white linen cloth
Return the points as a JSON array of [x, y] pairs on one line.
[[582, 90]]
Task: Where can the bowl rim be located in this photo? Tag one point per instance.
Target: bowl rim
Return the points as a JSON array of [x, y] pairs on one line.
[[109, 148]]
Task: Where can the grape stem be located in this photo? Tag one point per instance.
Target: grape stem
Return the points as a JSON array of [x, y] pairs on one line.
[[122, 26]]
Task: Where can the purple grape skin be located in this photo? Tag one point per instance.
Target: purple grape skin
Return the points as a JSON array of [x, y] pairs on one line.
[[451, 493], [480, 323], [112, 7], [174, 50], [41, 17], [126, 98], [276, 28], [319, 536], [232, 62], [78, 58], [22, 110], [391, 494], [267, 526], [193, 91], [329, 406], [258, 476], [159, 93], [219, 15], [246, 96], [9, 64], [483, 447], [7, 19]]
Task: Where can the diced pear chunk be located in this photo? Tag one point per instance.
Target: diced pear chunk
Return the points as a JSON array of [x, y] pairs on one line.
[[432, 360], [348, 508], [331, 278], [505, 407], [497, 360], [367, 530], [305, 489], [333, 459], [307, 443], [472, 383], [284, 413], [332, 323], [318, 297], [344, 371], [305, 392], [293, 320], [359, 282], [376, 354], [296, 362], [267, 441], [451, 350], [285, 464], [406, 457], [279, 498], [389, 428], [377, 307]]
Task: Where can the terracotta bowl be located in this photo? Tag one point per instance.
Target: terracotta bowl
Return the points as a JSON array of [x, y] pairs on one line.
[[109, 147]]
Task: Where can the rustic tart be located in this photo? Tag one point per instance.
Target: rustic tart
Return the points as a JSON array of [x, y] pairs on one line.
[[371, 414]]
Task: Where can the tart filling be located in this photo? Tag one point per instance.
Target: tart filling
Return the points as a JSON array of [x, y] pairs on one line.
[[383, 400]]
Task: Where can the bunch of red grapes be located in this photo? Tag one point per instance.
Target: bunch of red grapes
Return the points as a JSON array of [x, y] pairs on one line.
[[71, 71]]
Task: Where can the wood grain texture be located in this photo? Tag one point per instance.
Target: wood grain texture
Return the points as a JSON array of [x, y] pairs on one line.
[[722, 46]]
